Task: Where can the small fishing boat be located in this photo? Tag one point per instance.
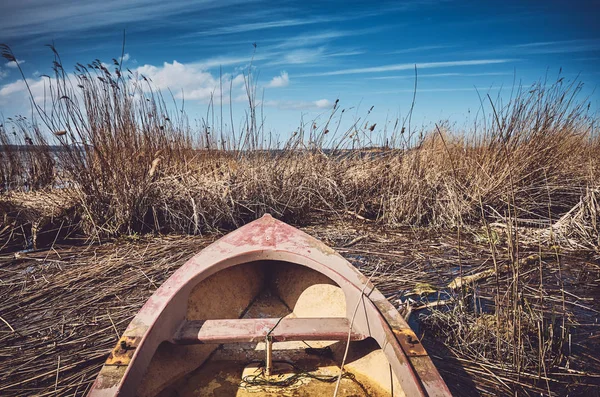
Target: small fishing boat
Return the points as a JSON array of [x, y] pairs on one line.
[[268, 310]]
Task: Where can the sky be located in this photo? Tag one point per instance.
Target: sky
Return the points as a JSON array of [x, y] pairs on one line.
[[306, 55]]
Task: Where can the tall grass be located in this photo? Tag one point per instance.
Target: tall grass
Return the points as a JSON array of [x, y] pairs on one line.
[[132, 164], [26, 160]]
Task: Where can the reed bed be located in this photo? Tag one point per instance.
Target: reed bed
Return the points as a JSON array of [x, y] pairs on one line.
[[64, 308], [130, 163], [26, 161], [486, 238]]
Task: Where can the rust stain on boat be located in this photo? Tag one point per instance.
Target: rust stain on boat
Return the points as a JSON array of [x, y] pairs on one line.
[[123, 351], [410, 343]]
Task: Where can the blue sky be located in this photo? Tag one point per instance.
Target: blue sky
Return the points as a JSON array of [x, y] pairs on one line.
[[309, 53]]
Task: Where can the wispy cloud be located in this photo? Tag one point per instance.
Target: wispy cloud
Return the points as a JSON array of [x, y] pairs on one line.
[[535, 48], [585, 59], [277, 21], [424, 90], [250, 27], [318, 38], [306, 56], [420, 49], [412, 76], [561, 46], [3, 73], [552, 43], [311, 39], [310, 49], [36, 17], [409, 66], [214, 62], [302, 56], [348, 53], [283, 80]]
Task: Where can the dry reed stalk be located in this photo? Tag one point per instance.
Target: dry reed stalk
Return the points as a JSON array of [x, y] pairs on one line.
[[135, 166], [70, 305]]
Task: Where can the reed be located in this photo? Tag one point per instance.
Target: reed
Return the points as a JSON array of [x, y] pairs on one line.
[[133, 165], [26, 160], [73, 302]]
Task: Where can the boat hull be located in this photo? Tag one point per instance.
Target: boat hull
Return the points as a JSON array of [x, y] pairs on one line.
[[271, 276]]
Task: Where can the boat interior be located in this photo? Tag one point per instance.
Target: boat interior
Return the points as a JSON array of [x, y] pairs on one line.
[[268, 328]]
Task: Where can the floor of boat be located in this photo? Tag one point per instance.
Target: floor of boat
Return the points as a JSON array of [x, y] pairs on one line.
[[236, 369], [224, 378]]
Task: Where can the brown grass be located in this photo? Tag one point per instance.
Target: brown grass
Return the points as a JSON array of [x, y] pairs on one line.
[[73, 302], [134, 166], [522, 181]]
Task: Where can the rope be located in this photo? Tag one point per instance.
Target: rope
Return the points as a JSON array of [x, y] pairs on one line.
[[362, 295], [275, 326], [260, 379]]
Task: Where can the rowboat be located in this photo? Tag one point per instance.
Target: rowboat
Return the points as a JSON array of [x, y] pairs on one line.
[[268, 310]]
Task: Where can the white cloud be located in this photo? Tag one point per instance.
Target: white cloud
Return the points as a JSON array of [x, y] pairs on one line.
[[409, 66], [242, 97], [3, 73], [16, 91], [184, 80], [300, 105], [190, 81], [282, 80], [193, 81], [323, 103], [238, 80], [13, 64], [112, 67], [12, 88]]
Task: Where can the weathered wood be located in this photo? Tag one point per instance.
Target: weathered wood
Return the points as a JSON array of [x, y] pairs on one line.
[[256, 330]]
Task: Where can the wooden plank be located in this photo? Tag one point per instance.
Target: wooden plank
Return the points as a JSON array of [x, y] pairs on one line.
[[256, 330]]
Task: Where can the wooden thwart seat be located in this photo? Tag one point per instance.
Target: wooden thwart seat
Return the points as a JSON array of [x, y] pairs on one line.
[[257, 329]]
